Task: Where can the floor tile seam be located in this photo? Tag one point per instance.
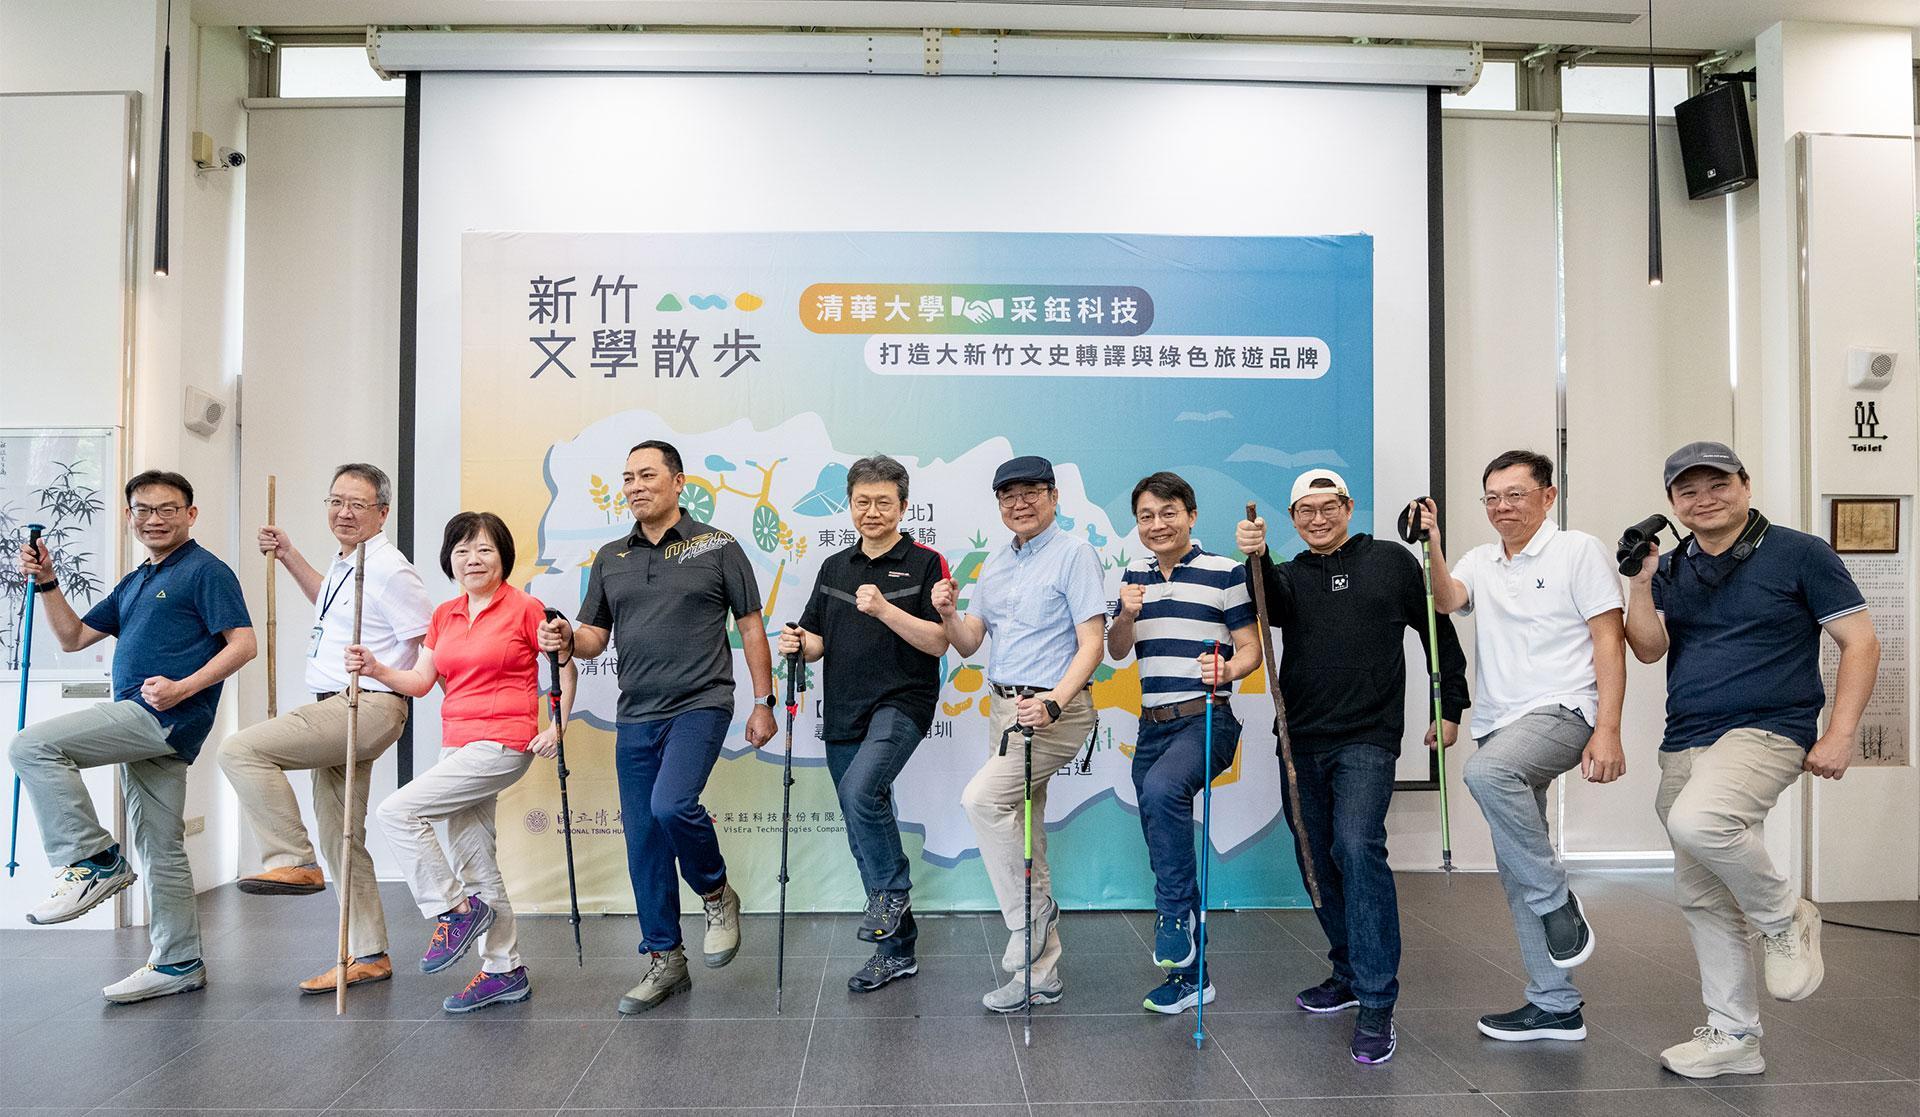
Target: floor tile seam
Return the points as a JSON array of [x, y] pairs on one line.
[[1019, 1068], [1809, 1034], [588, 1068], [1430, 1049], [1238, 1073], [377, 1064], [813, 1024], [184, 1052]]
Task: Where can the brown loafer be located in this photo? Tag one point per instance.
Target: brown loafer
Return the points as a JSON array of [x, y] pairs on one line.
[[358, 973], [294, 880]]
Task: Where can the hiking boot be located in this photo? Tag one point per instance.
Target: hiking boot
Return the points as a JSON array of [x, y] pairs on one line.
[[666, 975], [1569, 939], [885, 910], [151, 981], [1712, 1053], [1173, 945], [1374, 1036], [880, 969], [1175, 995], [1794, 966], [486, 989], [1014, 958], [1331, 995], [454, 934], [293, 880], [360, 971], [1530, 1021], [1012, 996], [78, 889], [723, 927]]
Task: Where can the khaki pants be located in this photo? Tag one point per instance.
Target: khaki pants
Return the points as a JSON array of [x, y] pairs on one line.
[[462, 790], [313, 738], [993, 800], [1713, 801]]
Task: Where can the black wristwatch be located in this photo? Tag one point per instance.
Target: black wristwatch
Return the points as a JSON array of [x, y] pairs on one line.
[[47, 586], [1053, 709], [768, 702]]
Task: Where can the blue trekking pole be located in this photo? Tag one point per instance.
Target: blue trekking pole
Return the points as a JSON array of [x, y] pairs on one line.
[[1206, 841], [26, 661]]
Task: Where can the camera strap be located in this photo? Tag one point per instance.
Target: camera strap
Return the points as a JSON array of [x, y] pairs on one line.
[[1741, 551]]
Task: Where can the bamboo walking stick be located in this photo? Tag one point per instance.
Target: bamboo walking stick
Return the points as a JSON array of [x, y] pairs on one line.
[[346, 810], [1280, 720], [273, 614]]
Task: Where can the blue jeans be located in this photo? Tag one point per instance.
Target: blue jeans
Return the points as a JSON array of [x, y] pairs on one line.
[[662, 767], [863, 773], [1166, 777], [1344, 793]]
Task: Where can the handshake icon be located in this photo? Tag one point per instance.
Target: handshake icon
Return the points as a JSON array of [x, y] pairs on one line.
[[978, 310]]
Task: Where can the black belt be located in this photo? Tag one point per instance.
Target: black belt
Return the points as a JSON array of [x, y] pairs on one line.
[[1160, 715], [1015, 691], [324, 695]]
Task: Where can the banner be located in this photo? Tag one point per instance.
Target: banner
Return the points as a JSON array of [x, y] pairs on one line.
[[773, 361]]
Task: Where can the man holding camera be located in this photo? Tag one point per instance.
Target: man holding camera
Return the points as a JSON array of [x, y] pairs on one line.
[[1550, 675], [1738, 609]]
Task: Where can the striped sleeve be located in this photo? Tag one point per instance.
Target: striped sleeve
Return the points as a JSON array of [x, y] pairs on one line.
[[1237, 600]]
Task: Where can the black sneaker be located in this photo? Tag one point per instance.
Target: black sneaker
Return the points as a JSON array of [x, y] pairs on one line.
[[1569, 938], [880, 969], [1331, 995], [1374, 1036], [1530, 1021], [882, 919]]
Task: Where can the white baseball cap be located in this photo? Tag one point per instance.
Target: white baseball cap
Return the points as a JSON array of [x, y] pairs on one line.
[[1304, 484]]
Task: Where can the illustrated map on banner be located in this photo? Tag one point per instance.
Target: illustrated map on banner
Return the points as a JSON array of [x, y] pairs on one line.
[[57, 478], [1885, 581], [774, 361]]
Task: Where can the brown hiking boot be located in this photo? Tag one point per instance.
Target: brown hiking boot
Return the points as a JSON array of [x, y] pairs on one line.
[[666, 975], [294, 880], [358, 973]]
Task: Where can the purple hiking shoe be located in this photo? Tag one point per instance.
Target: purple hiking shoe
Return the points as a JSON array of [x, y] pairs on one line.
[[454, 934], [491, 989]]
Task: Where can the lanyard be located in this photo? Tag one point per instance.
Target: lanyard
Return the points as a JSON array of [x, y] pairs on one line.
[[333, 591]]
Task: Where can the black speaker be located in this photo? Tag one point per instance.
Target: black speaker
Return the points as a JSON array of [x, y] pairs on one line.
[[1716, 142]]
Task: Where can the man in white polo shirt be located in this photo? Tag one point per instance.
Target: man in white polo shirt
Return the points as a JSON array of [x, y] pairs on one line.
[[1550, 667], [313, 737]]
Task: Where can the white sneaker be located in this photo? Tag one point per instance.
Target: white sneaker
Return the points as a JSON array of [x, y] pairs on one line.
[[1712, 1052], [80, 888], [1794, 966], [146, 983]]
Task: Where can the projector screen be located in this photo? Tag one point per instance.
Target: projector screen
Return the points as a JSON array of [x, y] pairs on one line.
[[563, 221]]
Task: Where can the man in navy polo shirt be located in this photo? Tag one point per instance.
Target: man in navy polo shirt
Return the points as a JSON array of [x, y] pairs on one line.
[[1171, 603], [1738, 609], [871, 615], [665, 592], [183, 628]]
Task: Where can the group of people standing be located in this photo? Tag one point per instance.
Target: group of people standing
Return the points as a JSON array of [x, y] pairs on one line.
[[1738, 610]]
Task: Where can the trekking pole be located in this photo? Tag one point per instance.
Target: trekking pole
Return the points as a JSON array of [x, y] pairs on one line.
[[26, 663], [1300, 837], [1026, 814], [1411, 533], [1212, 649], [795, 666], [346, 809], [273, 614], [566, 809]]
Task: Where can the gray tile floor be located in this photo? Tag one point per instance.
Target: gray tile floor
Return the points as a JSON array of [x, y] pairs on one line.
[[250, 1044]]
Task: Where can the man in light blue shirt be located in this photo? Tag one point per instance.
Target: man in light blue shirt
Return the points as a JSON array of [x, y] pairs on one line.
[[1042, 598]]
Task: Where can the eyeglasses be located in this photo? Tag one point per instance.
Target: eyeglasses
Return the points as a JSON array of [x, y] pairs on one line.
[[357, 507], [882, 505], [1166, 516], [1307, 513], [157, 512], [1511, 498], [1015, 498]]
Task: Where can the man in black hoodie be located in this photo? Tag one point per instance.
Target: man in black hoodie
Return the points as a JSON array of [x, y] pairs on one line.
[[1342, 607]]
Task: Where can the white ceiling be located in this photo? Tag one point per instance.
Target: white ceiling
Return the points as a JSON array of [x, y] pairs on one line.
[[1703, 24]]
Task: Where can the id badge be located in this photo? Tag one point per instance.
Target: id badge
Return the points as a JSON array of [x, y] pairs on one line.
[[313, 642]]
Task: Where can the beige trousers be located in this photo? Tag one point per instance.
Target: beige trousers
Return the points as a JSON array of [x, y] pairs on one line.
[[462, 790], [1713, 801], [994, 800], [313, 738]]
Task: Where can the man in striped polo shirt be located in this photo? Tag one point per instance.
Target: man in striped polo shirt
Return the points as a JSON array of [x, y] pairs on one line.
[[1170, 605]]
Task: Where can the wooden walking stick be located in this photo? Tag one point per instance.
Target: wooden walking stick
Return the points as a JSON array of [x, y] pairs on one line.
[[1280, 719], [273, 615], [346, 810]]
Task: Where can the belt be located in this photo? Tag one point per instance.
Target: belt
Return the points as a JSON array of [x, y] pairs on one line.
[[1015, 691], [1161, 714], [324, 695]]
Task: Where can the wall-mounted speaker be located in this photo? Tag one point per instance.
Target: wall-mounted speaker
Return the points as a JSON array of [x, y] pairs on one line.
[[1716, 142], [1869, 370], [203, 412]]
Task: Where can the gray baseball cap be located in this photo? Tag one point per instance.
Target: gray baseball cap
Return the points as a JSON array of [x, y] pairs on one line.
[[1714, 455]]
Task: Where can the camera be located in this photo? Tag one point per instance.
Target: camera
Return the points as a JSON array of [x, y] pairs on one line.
[[1639, 539], [229, 158]]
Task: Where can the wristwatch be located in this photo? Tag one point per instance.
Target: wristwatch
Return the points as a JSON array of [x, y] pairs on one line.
[[768, 702], [48, 586], [1053, 709]]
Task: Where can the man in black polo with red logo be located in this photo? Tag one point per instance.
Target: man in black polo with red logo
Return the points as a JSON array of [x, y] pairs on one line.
[[871, 616]]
